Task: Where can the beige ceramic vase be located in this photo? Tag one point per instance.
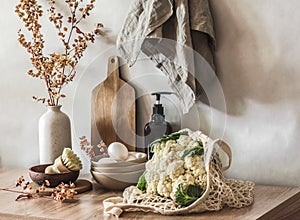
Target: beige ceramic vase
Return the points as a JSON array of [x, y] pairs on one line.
[[54, 134]]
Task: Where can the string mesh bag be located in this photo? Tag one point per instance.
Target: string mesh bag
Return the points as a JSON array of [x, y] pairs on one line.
[[218, 191]]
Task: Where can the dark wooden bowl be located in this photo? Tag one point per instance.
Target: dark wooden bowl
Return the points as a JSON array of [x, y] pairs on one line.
[[38, 175]]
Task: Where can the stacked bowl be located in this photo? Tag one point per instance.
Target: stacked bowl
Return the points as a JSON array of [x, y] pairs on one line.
[[118, 174]]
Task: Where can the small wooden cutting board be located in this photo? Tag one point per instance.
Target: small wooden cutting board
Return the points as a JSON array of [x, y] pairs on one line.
[[81, 186], [113, 109]]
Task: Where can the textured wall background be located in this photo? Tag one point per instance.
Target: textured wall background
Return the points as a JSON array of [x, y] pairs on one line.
[[258, 65]]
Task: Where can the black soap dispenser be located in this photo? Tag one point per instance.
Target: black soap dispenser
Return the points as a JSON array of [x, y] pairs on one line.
[[157, 127]]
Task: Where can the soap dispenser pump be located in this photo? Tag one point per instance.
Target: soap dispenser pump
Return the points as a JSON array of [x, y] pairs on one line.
[[157, 127]]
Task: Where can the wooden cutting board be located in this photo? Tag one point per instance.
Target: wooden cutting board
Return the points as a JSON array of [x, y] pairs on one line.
[[81, 186], [113, 109]]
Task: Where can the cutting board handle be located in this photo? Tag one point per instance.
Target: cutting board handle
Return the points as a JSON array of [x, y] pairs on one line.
[[113, 66]]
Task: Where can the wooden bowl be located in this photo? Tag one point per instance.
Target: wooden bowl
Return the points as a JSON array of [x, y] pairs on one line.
[[38, 175]]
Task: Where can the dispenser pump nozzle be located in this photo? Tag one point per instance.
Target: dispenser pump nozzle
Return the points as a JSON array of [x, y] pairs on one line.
[[157, 101], [158, 108]]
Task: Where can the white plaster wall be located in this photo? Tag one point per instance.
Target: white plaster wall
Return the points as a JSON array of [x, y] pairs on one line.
[[258, 64], [257, 61]]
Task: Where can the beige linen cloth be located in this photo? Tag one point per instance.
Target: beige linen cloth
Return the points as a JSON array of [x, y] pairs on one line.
[[171, 33]]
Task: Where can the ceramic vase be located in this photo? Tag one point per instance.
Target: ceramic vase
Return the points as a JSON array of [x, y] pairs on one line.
[[54, 134]]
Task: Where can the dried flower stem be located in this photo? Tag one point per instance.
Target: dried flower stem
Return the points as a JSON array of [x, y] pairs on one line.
[[11, 190], [56, 70], [92, 150], [27, 195], [60, 193]]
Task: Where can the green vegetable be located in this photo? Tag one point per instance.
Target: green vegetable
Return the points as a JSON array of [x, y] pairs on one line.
[[152, 146], [165, 138], [142, 183], [187, 196], [198, 150], [173, 136]]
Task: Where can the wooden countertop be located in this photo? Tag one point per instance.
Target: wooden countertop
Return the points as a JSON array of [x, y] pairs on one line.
[[271, 202]]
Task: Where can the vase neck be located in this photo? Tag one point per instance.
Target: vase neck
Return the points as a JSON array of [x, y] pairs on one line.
[[55, 108]]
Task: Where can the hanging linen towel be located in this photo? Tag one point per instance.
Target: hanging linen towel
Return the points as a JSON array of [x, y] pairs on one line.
[[170, 32]]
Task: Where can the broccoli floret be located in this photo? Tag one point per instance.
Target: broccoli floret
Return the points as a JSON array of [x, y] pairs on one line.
[[198, 150], [142, 183], [187, 196]]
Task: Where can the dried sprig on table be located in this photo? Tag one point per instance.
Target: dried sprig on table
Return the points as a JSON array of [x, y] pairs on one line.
[[91, 150], [55, 69], [63, 192], [60, 193]]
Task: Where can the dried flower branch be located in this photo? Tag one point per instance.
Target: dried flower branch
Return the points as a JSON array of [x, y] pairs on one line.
[[60, 193], [63, 192], [56, 70], [91, 150]]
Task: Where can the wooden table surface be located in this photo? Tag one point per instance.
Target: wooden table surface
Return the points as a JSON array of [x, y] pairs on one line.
[[271, 202]]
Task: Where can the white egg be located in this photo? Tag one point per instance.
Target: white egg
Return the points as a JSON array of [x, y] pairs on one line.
[[118, 151]]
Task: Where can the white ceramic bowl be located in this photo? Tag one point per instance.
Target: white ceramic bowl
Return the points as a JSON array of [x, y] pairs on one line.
[[117, 181], [119, 169], [134, 158]]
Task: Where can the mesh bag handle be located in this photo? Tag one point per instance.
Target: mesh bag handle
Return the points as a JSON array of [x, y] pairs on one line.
[[226, 149], [214, 146]]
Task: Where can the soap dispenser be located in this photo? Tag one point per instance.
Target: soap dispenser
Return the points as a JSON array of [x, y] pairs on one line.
[[157, 127]]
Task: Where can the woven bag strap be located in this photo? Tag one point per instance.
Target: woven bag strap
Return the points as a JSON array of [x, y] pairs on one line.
[[224, 146]]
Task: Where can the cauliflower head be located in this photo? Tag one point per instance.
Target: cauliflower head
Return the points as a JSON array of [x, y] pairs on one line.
[[176, 170]]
